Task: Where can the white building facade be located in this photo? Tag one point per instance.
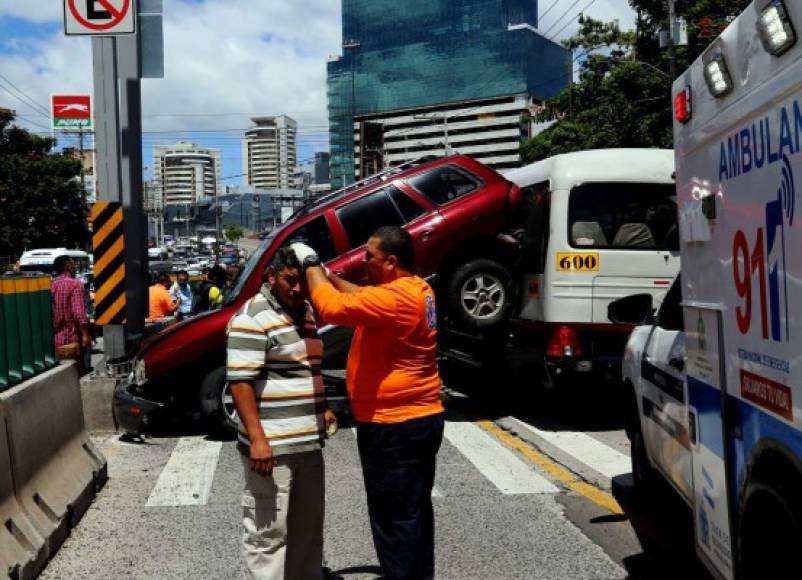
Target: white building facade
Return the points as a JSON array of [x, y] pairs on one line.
[[490, 130], [185, 173], [269, 152]]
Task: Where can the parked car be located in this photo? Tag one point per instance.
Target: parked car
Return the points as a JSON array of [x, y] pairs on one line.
[[455, 208]]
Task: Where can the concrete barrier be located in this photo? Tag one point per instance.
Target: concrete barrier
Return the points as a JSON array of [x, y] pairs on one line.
[[22, 549], [56, 469], [97, 394]]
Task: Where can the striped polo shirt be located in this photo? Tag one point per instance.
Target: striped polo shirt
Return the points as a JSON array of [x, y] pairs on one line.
[[282, 361]]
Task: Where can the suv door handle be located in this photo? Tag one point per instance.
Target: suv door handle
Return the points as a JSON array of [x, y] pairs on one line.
[[340, 273], [677, 362], [425, 234]]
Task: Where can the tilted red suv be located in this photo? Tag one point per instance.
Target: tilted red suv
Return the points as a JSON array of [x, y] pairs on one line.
[[456, 210]]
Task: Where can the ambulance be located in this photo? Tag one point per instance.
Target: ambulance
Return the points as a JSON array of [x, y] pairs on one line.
[[716, 375]]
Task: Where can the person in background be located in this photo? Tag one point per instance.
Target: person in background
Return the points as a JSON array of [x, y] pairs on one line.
[[209, 293], [274, 356], [232, 273], [70, 323], [181, 292], [160, 303], [394, 389]]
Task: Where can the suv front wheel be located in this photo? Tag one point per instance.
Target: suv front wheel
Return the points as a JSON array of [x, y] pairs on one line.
[[480, 293], [217, 405]]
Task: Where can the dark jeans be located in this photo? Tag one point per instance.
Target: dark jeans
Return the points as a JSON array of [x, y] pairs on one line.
[[398, 462]]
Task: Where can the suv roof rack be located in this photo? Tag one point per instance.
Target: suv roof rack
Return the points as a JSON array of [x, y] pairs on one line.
[[342, 192]]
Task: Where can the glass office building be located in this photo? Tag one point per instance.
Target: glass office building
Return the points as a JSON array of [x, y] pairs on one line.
[[419, 53]]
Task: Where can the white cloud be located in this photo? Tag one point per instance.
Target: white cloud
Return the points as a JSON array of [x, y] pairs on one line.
[[33, 10]]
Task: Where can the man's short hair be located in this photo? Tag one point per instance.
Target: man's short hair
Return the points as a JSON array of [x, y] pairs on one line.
[[284, 258], [162, 278], [397, 242], [60, 263], [182, 273]]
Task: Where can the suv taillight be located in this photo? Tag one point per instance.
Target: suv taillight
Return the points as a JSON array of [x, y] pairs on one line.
[[515, 195], [563, 342]]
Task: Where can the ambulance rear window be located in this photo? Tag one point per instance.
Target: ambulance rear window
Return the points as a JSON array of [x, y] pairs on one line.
[[623, 216]]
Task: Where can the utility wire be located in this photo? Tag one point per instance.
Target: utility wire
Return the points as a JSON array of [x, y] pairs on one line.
[[563, 15], [572, 20], [549, 9], [27, 96]]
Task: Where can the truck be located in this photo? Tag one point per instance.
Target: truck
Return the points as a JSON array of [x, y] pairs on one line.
[[714, 379]]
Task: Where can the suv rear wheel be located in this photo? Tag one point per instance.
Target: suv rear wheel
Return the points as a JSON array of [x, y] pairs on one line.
[[217, 405], [480, 293]]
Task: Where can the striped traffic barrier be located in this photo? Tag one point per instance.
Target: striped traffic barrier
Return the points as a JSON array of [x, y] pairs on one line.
[[108, 244], [26, 320]]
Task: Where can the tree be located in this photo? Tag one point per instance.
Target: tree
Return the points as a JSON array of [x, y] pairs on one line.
[[622, 97], [233, 232], [40, 195]]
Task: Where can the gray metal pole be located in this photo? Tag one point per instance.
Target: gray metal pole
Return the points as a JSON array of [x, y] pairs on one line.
[[672, 49], [136, 257], [107, 152]]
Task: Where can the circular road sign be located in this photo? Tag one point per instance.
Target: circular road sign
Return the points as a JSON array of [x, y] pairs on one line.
[[99, 17]]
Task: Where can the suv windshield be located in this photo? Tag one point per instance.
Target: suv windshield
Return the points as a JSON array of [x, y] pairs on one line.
[[248, 269]]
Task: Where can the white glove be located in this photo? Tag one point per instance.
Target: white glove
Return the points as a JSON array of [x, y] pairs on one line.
[[306, 255]]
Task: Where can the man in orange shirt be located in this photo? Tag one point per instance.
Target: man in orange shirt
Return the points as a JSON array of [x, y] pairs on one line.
[[159, 301], [394, 389]]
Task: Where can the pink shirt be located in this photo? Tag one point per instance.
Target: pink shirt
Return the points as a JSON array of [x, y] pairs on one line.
[[69, 309]]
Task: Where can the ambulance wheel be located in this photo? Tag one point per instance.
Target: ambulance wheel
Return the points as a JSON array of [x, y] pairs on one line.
[[770, 528], [217, 405], [480, 293]]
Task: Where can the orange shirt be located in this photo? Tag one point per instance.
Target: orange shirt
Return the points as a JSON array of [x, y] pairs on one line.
[[392, 365], [159, 302]]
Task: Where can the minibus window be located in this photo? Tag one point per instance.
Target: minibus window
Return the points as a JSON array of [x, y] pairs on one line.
[[536, 205], [623, 216]]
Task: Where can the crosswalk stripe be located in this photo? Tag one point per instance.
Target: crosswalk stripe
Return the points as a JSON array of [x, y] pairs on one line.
[[595, 454], [497, 463], [187, 477]]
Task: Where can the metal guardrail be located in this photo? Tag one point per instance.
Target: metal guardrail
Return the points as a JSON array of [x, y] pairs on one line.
[[26, 328]]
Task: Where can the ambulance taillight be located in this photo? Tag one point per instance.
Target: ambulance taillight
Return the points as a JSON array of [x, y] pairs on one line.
[[682, 105], [775, 27]]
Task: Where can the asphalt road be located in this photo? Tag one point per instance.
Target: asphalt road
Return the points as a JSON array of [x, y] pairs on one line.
[[530, 484]]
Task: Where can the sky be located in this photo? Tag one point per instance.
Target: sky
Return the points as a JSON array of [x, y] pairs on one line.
[[225, 61]]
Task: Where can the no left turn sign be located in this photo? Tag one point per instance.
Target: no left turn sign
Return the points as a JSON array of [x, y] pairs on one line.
[[99, 17]]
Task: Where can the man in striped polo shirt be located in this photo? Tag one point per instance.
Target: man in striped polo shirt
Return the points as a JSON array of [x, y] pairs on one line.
[[274, 357]]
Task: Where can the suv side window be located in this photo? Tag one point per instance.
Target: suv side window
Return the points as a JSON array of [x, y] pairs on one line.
[[444, 184], [408, 207], [670, 314], [315, 233], [365, 215]]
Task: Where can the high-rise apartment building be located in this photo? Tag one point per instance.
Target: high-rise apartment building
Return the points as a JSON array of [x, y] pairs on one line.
[[269, 152], [432, 76], [184, 173]]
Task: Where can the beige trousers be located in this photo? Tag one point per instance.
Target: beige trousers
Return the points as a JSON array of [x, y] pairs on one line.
[[283, 518]]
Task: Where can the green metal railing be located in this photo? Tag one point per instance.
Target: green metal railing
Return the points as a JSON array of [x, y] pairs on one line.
[[26, 328]]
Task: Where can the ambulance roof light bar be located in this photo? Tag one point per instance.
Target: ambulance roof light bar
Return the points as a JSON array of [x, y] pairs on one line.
[[717, 74], [775, 27]]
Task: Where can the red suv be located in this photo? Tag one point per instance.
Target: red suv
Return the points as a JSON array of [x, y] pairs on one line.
[[456, 210]]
